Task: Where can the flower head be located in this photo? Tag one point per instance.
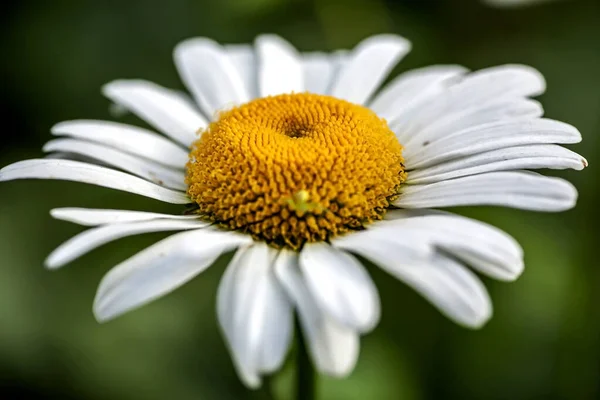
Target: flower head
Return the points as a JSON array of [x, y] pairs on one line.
[[297, 163]]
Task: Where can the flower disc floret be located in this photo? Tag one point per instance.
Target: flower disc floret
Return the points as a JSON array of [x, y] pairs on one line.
[[295, 168]]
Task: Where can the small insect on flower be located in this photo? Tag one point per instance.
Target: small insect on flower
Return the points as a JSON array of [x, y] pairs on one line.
[[297, 162]]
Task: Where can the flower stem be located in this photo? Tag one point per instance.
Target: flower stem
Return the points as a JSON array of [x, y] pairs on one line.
[[305, 373]]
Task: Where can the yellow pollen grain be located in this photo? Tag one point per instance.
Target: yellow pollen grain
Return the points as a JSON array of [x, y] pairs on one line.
[[295, 168]]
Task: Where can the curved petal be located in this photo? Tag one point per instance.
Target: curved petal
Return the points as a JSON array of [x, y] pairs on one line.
[[504, 109], [92, 174], [131, 139], [511, 158], [475, 91], [163, 108], [93, 238], [524, 190], [492, 136], [341, 286], [508, 79], [333, 348], [368, 65], [279, 66], [149, 170], [209, 74], [243, 58], [160, 269], [254, 313], [484, 247], [405, 247], [411, 88], [95, 217], [319, 69], [415, 236], [452, 288]]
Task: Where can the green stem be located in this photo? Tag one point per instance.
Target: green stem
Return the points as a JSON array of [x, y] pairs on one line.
[[305, 373]]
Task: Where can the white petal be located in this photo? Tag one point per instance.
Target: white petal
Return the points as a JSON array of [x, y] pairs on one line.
[[163, 108], [149, 170], [93, 238], [412, 87], [95, 217], [319, 70], [254, 313], [280, 66], [452, 288], [368, 65], [511, 158], [87, 173], [244, 60], [406, 247], [160, 269], [210, 75], [484, 247], [333, 348], [475, 91], [513, 79], [527, 191], [504, 109], [131, 139], [416, 237], [341, 286], [492, 136]]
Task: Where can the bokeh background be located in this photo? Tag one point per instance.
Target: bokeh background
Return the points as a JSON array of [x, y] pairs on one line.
[[544, 339]]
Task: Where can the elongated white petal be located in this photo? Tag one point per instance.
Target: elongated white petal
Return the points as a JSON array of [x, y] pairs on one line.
[[341, 286], [210, 75], [511, 158], [163, 108], [405, 247], [159, 269], [475, 91], [527, 191], [368, 65], [516, 79], [93, 238], [333, 348], [254, 313], [411, 88], [415, 236], [504, 109], [484, 247], [87, 173], [492, 136], [243, 58], [452, 288], [131, 139], [226, 298], [149, 170], [319, 70], [279, 66], [95, 217]]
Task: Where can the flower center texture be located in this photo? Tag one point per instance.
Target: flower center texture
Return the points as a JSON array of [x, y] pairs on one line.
[[295, 168]]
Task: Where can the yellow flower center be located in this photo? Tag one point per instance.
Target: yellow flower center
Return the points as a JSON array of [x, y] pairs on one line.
[[295, 168]]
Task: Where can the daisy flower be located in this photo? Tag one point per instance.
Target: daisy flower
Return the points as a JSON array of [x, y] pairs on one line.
[[298, 163]]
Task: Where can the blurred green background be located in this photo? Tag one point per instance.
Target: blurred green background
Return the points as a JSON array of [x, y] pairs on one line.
[[544, 339]]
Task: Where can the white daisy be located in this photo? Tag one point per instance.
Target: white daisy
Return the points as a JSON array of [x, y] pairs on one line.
[[294, 160]]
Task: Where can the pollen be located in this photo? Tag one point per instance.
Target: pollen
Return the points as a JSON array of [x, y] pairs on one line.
[[295, 168]]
